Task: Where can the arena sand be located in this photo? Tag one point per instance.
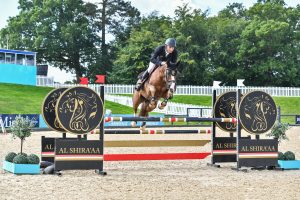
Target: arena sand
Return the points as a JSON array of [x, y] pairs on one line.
[[186, 179]]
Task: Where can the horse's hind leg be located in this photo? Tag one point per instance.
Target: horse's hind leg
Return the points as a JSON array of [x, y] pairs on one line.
[[144, 113], [136, 101]]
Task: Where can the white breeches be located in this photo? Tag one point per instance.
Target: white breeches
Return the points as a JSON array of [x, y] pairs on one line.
[[150, 67]]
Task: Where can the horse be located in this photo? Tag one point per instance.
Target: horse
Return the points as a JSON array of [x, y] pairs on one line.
[[156, 87]]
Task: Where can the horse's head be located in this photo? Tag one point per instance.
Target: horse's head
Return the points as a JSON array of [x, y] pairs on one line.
[[171, 69], [173, 66]]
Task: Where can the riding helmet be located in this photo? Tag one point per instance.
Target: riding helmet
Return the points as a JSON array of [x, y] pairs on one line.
[[171, 42]]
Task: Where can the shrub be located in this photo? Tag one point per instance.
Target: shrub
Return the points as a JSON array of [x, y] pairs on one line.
[[278, 131], [10, 156], [24, 154], [281, 156], [33, 159], [20, 159], [289, 155]]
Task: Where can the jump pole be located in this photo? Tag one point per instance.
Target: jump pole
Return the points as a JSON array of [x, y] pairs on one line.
[[154, 131], [156, 156], [155, 143], [171, 119]]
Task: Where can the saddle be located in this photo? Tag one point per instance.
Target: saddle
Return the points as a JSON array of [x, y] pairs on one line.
[[170, 72]]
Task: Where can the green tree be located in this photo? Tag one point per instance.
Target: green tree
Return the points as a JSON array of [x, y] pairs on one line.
[[134, 57], [115, 18], [268, 49], [192, 35], [21, 128], [59, 30]]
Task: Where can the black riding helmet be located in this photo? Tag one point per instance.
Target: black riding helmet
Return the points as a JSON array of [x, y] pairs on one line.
[[171, 42]]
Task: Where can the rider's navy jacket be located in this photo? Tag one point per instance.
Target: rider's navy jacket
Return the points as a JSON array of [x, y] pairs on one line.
[[160, 55]]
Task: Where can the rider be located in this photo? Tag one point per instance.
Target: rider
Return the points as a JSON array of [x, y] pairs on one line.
[[160, 56]]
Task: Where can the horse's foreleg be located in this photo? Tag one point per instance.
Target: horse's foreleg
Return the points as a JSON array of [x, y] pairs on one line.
[[143, 126], [172, 87], [163, 104]]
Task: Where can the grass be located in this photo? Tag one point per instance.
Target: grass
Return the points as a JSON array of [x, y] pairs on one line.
[[288, 105], [25, 99], [21, 99], [193, 99], [117, 108]]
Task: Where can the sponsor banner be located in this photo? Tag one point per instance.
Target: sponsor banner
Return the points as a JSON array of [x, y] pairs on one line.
[[78, 154], [258, 153], [224, 149], [9, 118], [297, 119]]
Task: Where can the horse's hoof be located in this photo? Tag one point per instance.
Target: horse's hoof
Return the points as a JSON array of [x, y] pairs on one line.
[[161, 107], [152, 103], [133, 124]]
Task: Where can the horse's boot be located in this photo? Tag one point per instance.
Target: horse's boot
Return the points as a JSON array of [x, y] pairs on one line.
[[140, 82]]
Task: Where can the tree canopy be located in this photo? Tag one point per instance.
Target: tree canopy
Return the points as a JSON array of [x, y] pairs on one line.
[[259, 44]]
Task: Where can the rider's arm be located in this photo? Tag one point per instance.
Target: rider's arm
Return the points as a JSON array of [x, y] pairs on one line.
[[155, 56]]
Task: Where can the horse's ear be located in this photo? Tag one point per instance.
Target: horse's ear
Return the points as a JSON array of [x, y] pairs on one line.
[[178, 63]]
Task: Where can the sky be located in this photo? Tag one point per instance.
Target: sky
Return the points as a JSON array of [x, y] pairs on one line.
[[9, 8]]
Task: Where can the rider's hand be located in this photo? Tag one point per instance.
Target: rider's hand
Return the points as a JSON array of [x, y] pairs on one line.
[[162, 63]]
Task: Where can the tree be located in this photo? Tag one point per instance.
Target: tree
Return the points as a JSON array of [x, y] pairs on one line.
[[134, 57], [115, 18], [59, 30], [192, 36], [21, 128], [268, 49]]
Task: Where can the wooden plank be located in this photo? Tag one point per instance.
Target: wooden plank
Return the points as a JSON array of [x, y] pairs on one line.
[[154, 143]]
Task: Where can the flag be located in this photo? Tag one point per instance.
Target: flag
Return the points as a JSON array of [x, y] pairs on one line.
[[84, 81], [100, 79]]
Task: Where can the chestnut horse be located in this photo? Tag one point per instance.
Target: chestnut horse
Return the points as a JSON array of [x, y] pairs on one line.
[[155, 88]]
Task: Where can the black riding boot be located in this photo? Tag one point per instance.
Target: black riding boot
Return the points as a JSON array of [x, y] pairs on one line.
[[142, 80]]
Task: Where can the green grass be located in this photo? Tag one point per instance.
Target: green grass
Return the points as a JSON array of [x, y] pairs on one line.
[[193, 99], [24, 99], [21, 99], [288, 105], [117, 108]]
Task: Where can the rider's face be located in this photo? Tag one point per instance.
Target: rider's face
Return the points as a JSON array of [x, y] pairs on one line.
[[169, 49]]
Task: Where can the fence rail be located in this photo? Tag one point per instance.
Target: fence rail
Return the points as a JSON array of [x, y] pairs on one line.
[[44, 81], [189, 89], [181, 89]]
